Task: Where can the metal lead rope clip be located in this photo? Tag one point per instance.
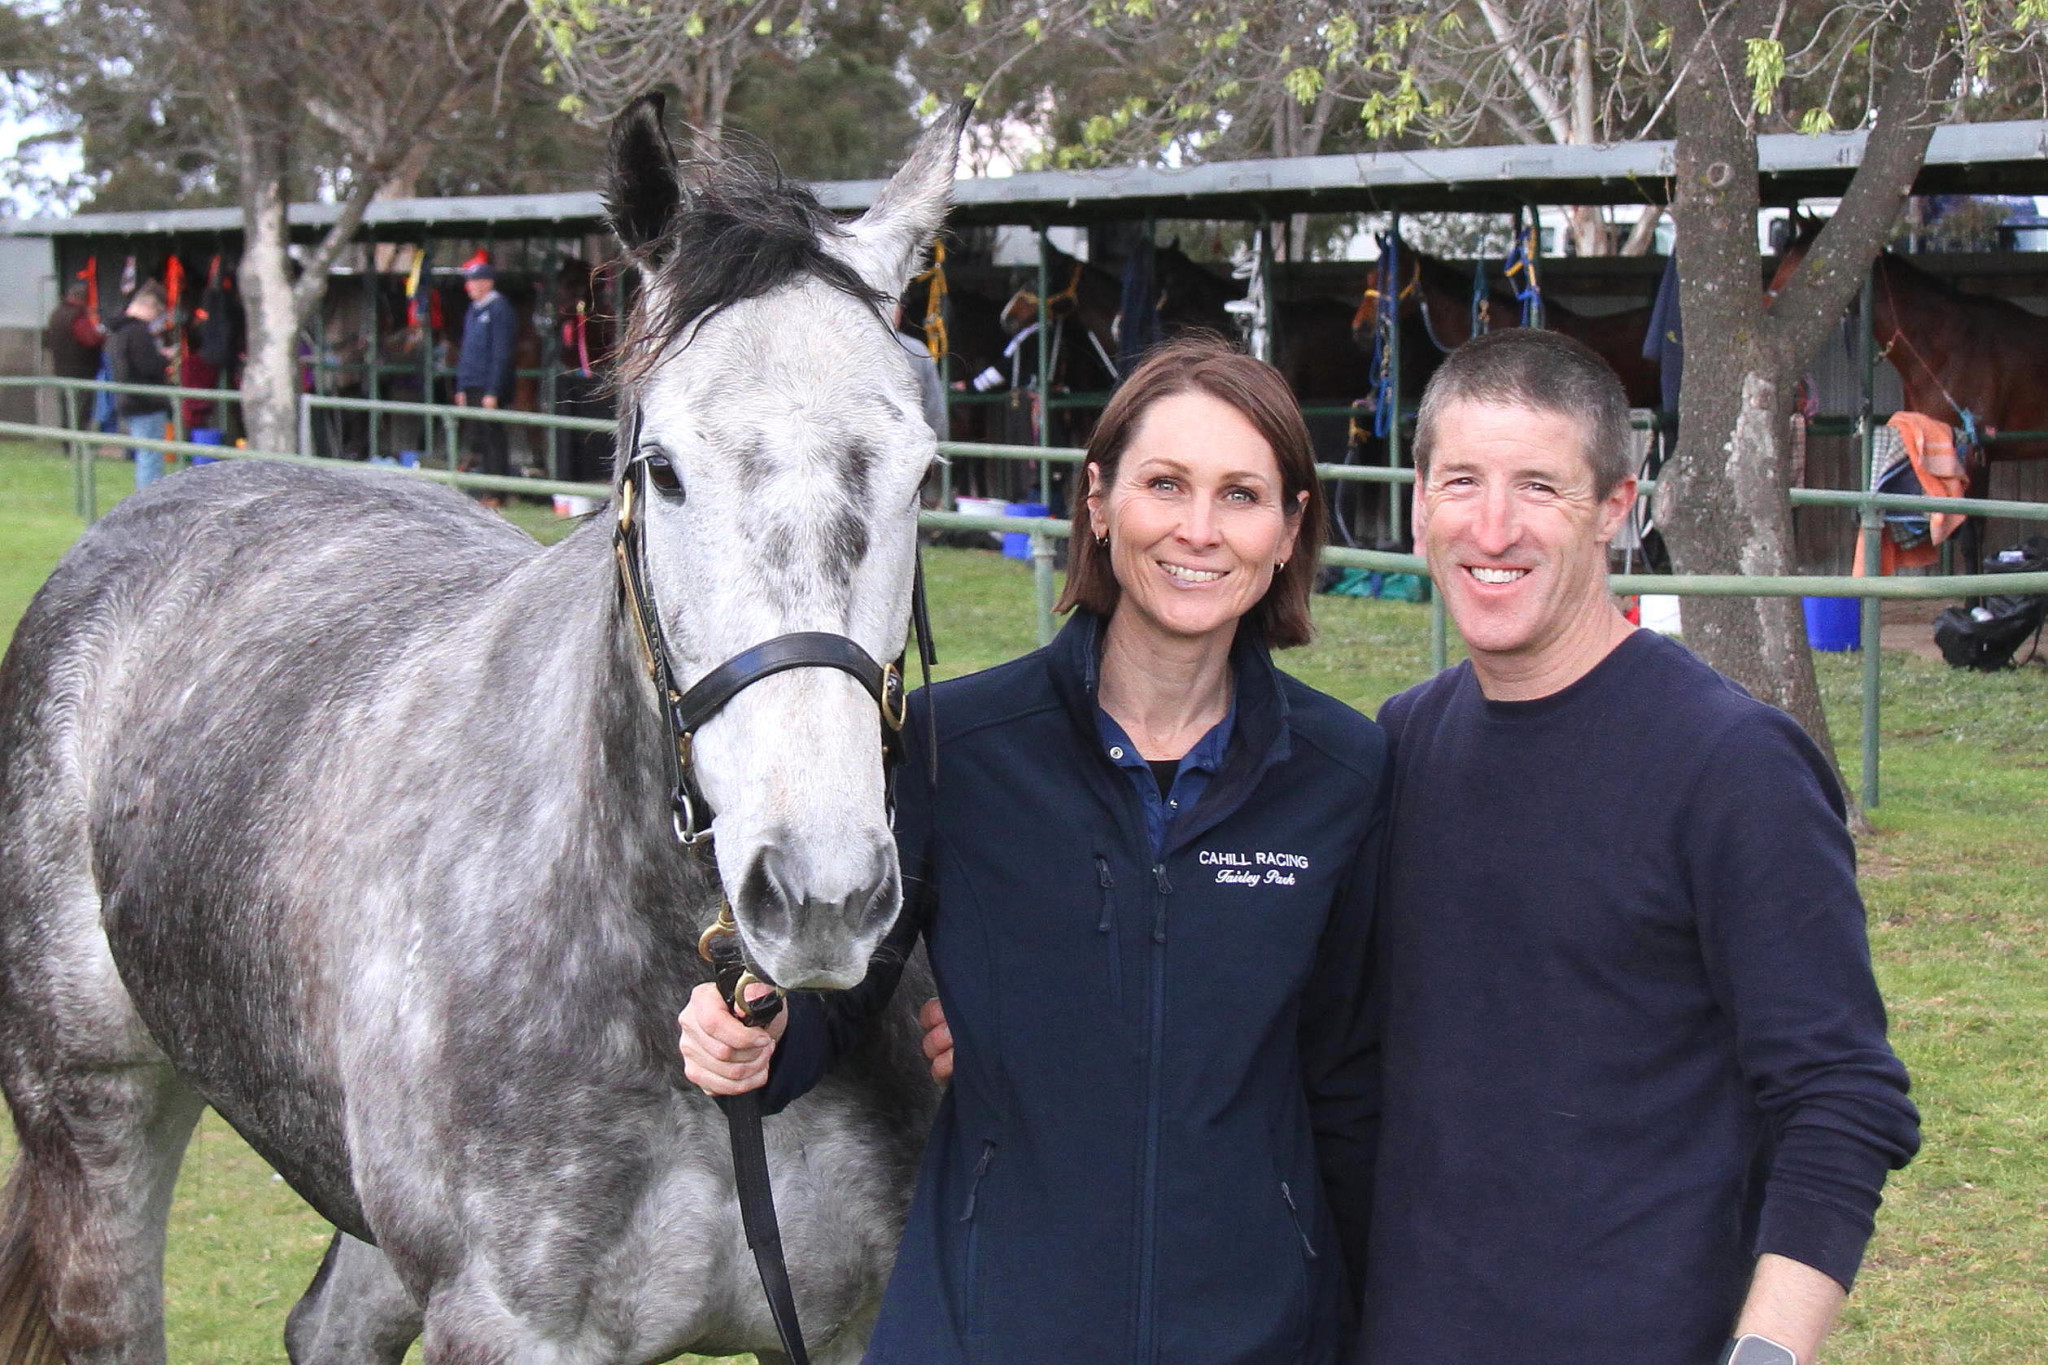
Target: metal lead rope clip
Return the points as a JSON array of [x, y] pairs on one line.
[[721, 947]]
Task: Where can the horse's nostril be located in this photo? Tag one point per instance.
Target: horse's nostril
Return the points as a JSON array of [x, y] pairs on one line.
[[767, 897]]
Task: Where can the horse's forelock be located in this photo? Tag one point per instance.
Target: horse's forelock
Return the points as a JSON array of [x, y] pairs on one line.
[[742, 231]]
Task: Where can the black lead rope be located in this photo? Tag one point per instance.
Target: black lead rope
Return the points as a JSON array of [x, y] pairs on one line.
[[692, 819]]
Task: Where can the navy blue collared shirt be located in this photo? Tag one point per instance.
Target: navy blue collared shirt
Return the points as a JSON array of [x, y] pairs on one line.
[[1197, 766]]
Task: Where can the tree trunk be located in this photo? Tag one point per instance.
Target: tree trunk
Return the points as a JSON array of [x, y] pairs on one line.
[[1724, 503], [270, 387], [1722, 500]]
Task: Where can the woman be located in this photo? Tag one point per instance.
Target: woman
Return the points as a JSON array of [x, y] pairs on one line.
[[1145, 885]]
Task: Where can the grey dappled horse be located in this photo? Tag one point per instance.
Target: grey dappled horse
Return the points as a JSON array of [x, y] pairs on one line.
[[339, 804]]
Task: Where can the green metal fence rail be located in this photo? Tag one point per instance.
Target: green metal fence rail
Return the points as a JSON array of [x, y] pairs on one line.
[[1045, 531]]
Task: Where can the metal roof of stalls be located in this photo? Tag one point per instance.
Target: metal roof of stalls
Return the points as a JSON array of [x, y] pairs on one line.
[[1982, 158]]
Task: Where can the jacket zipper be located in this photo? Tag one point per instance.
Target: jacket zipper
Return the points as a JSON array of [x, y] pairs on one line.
[[1149, 1215], [1107, 928], [988, 1153], [1294, 1216]]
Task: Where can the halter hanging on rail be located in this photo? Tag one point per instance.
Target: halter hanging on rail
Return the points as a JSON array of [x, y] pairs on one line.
[[1386, 320], [1522, 258], [936, 340]]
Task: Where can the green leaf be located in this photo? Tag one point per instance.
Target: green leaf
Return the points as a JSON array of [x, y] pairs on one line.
[[929, 105], [1765, 64], [971, 11], [1662, 42], [1816, 121], [693, 25], [1034, 28], [764, 29], [1304, 83]]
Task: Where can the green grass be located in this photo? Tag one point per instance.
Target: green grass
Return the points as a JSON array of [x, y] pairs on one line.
[[1955, 876]]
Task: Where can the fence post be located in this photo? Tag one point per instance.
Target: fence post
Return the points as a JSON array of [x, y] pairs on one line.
[[1041, 583], [69, 398], [1044, 339], [1394, 518], [1871, 608], [1439, 629]]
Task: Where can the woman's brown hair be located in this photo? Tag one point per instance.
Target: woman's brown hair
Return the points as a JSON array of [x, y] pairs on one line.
[[1205, 363]]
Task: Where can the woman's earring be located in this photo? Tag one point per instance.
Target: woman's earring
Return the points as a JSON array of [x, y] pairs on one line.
[[1279, 566], [1102, 541]]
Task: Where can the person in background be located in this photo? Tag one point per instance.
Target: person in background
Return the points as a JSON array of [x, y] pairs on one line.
[[133, 357], [195, 371], [483, 373], [930, 387], [73, 337]]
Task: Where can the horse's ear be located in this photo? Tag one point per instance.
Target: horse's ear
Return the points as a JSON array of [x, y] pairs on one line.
[[642, 190], [886, 243]]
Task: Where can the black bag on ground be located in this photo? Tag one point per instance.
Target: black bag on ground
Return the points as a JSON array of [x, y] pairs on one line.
[[1987, 637]]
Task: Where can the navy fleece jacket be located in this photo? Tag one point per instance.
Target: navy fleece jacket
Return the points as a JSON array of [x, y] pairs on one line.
[[1156, 1145]]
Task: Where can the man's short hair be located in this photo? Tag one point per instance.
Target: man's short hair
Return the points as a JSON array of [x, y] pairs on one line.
[[149, 291], [1526, 367]]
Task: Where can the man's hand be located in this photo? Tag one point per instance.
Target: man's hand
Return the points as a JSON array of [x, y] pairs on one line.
[[722, 1056], [461, 399], [490, 400], [938, 1040]]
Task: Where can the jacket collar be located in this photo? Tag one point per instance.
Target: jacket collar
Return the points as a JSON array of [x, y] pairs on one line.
[[1260, 735]]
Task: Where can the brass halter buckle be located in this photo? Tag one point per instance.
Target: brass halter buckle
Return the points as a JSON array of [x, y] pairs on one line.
[[721, 947], [895, 698]]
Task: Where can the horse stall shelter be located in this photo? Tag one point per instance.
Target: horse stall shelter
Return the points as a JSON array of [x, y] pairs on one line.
[[1106, 260]]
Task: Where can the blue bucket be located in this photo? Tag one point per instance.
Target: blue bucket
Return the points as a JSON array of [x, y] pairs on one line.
[[1834, 623], [206, 436], [1017, 544]]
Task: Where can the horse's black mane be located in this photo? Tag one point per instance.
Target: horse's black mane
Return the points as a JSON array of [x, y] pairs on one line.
[[742, 230]]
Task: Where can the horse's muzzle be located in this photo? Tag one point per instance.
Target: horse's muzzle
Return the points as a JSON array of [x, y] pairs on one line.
[[812, 927]]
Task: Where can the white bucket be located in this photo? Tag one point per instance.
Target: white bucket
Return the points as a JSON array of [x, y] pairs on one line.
[[1659, 612]]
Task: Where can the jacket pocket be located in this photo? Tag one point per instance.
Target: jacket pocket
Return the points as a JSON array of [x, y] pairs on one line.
[[1106, 926], [1304, 1296], [971, 1274]]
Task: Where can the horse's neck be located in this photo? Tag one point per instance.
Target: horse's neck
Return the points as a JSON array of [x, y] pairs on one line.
[[1924, 328], [609, 741]]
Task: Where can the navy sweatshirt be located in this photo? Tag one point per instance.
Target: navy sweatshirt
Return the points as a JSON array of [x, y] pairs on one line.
[[490, 332], [1156, 1145], [1631, 1036]]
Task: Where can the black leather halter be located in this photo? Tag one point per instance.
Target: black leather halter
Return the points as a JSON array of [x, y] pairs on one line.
[[692, 818], [686, 712]]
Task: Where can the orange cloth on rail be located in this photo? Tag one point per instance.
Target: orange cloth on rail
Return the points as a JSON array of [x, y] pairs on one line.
[[1931, 447]]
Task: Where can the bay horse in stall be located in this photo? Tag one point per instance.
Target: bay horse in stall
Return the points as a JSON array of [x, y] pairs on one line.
[[1953, 350], [1439, 294], [337, 803]]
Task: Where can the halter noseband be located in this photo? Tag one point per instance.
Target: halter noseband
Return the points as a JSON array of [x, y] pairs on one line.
[[690, 814]]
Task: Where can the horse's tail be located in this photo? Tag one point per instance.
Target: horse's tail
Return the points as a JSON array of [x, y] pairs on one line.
[[26, 1336]]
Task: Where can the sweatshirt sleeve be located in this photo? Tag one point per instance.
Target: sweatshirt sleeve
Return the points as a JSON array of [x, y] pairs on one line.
[[1781, 924], [825, 1026], [1340, 1050]]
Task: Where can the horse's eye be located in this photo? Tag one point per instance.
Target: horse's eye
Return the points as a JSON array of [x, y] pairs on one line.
[[661, 472]]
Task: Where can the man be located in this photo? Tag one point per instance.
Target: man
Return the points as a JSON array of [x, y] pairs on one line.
[[133, 357], [1637, 1094], [483, 374], [930, 387], [73, 338]]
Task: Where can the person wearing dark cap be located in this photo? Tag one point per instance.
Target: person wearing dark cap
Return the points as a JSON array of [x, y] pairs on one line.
[[483, 373]]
